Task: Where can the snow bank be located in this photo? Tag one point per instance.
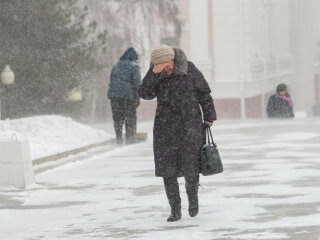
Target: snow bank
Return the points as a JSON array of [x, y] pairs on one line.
[[52, 134]]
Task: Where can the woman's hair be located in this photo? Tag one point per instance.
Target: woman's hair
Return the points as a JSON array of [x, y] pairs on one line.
[[282, 87]]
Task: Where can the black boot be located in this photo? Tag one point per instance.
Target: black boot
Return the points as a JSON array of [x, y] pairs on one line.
[[192, 186], [118, 129], [173, 195]]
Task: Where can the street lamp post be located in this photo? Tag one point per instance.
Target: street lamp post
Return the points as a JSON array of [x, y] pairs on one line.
[[15, 161], [75, 97], [7, 78]]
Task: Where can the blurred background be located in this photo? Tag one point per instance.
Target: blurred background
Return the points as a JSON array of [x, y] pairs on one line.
[[61, 52]]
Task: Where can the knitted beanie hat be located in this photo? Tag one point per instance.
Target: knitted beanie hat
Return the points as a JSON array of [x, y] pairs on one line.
[[162, 54]]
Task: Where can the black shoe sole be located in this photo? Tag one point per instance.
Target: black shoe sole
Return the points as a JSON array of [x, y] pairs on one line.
[[173, 218], [193, 213]]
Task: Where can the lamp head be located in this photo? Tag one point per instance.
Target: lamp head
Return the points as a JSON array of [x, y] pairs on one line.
[[7, 76]]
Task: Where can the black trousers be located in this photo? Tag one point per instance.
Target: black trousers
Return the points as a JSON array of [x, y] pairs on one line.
[[124, 111], [173, 193]]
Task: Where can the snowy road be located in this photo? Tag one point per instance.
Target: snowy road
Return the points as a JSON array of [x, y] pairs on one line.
[[270, 190]]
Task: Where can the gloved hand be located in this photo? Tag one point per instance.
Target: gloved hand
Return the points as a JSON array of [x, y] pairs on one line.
[[208, 123]]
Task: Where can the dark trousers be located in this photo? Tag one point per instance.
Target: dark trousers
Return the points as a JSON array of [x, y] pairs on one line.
[[173, 193], [123, 111]]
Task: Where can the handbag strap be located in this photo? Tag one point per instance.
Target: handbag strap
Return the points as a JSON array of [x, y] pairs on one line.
[[209, 134]]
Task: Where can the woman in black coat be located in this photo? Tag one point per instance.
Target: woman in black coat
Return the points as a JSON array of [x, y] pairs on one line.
[[280, 104], [179, 133]]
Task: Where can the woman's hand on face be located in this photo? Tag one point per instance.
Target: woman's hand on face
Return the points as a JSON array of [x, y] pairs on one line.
[[159, 67]]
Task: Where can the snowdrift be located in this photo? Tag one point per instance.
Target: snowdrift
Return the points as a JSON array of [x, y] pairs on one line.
[[49, 135]]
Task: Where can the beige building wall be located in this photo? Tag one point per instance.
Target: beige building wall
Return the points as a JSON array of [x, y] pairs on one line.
[[245, 48], [305, 34]]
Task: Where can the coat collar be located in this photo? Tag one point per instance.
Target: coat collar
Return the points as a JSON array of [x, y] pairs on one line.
[[180, 63]]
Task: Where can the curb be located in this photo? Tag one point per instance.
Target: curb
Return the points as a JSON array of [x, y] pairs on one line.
[[55, 157]]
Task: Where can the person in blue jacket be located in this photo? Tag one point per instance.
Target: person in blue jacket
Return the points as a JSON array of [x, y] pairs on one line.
[[125, 81]]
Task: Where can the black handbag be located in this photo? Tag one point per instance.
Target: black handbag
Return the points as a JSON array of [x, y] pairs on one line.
[[210, 161]]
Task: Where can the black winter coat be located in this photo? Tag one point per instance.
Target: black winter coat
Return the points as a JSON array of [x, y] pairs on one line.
[[279, 108], [178, 127]]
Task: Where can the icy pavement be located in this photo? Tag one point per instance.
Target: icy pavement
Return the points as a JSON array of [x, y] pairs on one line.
[[270, 190]]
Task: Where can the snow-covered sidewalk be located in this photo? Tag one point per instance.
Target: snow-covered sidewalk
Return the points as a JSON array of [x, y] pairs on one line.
[[270, 190]]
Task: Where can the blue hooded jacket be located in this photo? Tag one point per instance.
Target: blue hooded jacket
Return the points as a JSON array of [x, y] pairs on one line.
[[125, 79]]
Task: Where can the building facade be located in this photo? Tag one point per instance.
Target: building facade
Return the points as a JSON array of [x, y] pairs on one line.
[[245, 48]]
